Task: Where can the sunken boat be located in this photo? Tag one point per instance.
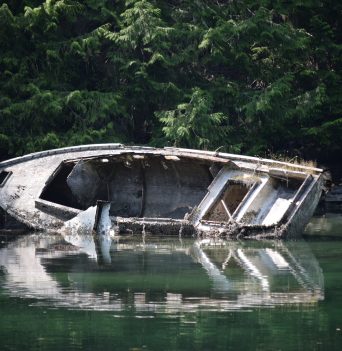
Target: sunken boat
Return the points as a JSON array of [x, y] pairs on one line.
[[164, 191]]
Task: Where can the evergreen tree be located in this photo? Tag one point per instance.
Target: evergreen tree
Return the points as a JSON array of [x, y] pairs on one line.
[[249, 75]]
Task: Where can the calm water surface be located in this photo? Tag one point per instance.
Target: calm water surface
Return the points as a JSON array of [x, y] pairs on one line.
[[172, 294]]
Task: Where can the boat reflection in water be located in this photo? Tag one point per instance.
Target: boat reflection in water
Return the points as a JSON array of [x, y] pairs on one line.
[[166, 275]]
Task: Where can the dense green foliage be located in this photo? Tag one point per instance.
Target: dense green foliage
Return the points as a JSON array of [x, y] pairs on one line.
[[247, 75]]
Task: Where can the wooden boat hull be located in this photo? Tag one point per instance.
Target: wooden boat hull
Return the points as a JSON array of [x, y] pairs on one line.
[[167, 191]]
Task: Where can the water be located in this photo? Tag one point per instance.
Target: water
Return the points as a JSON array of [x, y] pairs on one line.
[[172, 294]]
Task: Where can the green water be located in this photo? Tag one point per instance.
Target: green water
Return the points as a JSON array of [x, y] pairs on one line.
[[171, 294]]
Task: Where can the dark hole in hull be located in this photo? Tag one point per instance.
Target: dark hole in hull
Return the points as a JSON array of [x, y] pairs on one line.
[[153, 187], [4, 175], [58, 191]]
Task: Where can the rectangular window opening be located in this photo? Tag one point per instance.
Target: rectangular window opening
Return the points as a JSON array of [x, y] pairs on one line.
[[228, 202], [4, 175]]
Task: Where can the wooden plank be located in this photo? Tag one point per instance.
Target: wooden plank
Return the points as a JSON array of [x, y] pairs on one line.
[[226, 209]]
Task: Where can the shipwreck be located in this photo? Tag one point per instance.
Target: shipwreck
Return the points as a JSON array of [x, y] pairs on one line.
[[163, 191]]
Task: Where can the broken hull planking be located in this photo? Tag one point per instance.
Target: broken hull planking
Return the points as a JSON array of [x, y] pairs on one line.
[[163, 191]]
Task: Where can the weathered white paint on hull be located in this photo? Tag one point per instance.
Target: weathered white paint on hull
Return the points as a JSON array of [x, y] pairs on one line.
[[263, 211]]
